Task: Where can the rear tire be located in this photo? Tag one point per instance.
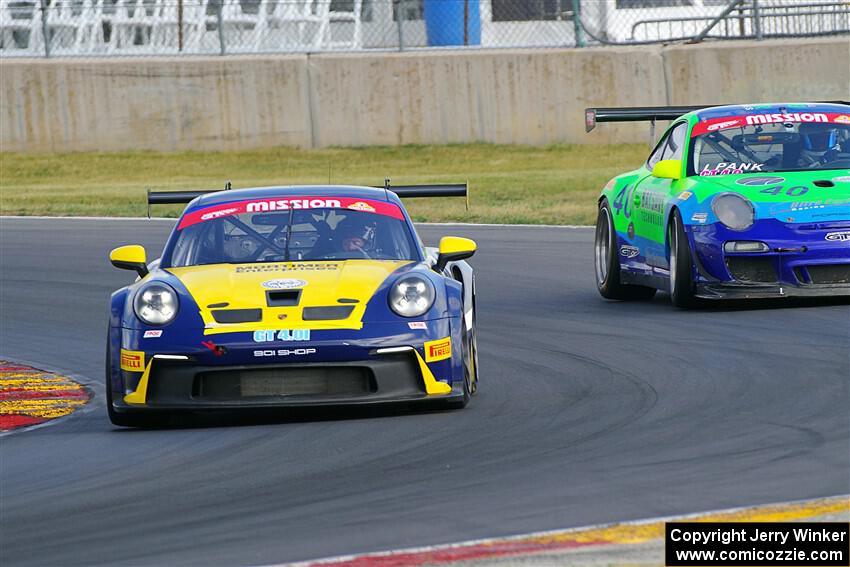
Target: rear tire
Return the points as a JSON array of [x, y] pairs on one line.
[[682, 287], [607, 262]]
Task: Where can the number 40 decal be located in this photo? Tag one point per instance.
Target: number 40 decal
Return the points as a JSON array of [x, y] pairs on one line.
[[796, 191], [623, 199]]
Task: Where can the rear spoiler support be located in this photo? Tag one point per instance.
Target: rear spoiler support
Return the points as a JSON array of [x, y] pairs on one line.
[[438, 190]]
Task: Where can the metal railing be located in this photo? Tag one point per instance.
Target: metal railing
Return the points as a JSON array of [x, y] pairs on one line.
[[87, 28]]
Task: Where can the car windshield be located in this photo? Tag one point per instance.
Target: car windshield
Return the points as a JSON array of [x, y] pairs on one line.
[[231, 234], [752, 148]]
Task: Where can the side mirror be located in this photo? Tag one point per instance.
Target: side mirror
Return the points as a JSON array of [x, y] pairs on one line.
[[131, 257], [668, 169], [452, 249]]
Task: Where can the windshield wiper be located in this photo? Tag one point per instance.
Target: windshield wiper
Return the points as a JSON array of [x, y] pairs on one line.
[[288, 236]]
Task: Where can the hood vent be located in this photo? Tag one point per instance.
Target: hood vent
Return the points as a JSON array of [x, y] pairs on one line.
[[283, 298], [334, 313], [237, 315], [824, 183]]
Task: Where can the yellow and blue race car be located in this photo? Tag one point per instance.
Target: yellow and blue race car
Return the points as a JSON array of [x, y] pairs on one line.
[[292, 296]]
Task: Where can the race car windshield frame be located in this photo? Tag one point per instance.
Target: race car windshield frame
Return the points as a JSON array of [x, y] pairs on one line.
[[294, 235], [767, 148]]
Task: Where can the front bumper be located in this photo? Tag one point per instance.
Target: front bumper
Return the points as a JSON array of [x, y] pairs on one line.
[[169, 384], [799, 261]]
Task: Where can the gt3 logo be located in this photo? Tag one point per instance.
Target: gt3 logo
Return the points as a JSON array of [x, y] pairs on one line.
[[629, 251], [438, 350], [842, 236], [285, 352]]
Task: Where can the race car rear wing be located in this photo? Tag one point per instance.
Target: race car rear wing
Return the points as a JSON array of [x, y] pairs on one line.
[[438, 190], [648, 113], [635, 114]]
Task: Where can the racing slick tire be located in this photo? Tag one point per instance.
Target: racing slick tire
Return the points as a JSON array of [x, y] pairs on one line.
[[681, 264], [469, 352], [607, 262]]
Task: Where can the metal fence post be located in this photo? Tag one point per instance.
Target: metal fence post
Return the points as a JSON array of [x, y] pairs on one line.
[[757, 20], [400, 6], [179, 25], [577, 23], [220, 21], [45, 30]]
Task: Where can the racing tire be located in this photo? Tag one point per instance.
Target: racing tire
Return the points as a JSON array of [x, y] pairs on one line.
[[607, 262], [123, 419], [682, 287], [470, 367]]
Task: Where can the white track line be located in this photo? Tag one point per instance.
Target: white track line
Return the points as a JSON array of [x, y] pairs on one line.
[[474, 542]]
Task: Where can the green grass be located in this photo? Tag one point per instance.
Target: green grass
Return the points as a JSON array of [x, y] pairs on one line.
[[509, 184]]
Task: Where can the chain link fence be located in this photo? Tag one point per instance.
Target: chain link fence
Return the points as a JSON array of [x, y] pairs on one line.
[[85, 28]]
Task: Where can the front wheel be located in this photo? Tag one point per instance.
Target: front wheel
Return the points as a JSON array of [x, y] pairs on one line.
[[681, 264], [607, 261]]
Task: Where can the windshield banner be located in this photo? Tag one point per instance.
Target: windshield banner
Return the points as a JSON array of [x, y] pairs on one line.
[[273, 205], [726, 122]]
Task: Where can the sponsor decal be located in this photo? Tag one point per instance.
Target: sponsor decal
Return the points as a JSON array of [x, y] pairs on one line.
[[217, 214], [786, 117], [361, 206], [152, 334], [699, 217], [132, 360], [842, 179], [305, 267], [283, 284], [283, 335], [650, 206], [284, 352], [724, 168], [808, 205], [842, 236], [726, 122], [685, 195], [418, 325], [758, 181], [290, 203], [440, 349], [629, 251]]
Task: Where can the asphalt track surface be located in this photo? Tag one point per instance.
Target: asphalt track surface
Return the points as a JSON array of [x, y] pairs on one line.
[[589, 412]]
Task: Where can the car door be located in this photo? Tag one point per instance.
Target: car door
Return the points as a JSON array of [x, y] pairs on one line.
[[651, 196]]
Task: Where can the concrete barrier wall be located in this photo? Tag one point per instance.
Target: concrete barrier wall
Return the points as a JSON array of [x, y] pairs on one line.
[[511, 96]]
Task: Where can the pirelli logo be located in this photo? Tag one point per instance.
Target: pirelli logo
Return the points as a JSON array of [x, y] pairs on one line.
[[440, 349], [132, 360]]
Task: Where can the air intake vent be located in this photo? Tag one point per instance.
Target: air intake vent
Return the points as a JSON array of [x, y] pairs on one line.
[[829, 274], [750, 269], [334, 313], [237, 315], [283, 298]]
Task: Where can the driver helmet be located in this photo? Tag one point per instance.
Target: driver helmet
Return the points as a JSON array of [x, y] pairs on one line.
[[356, 234], [819, 137]]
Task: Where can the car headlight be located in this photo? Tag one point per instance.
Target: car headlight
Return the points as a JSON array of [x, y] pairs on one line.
[[734, 211], [412, 296], [156, 303]]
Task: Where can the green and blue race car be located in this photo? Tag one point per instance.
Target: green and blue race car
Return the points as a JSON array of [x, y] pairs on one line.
[[733, 202]]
